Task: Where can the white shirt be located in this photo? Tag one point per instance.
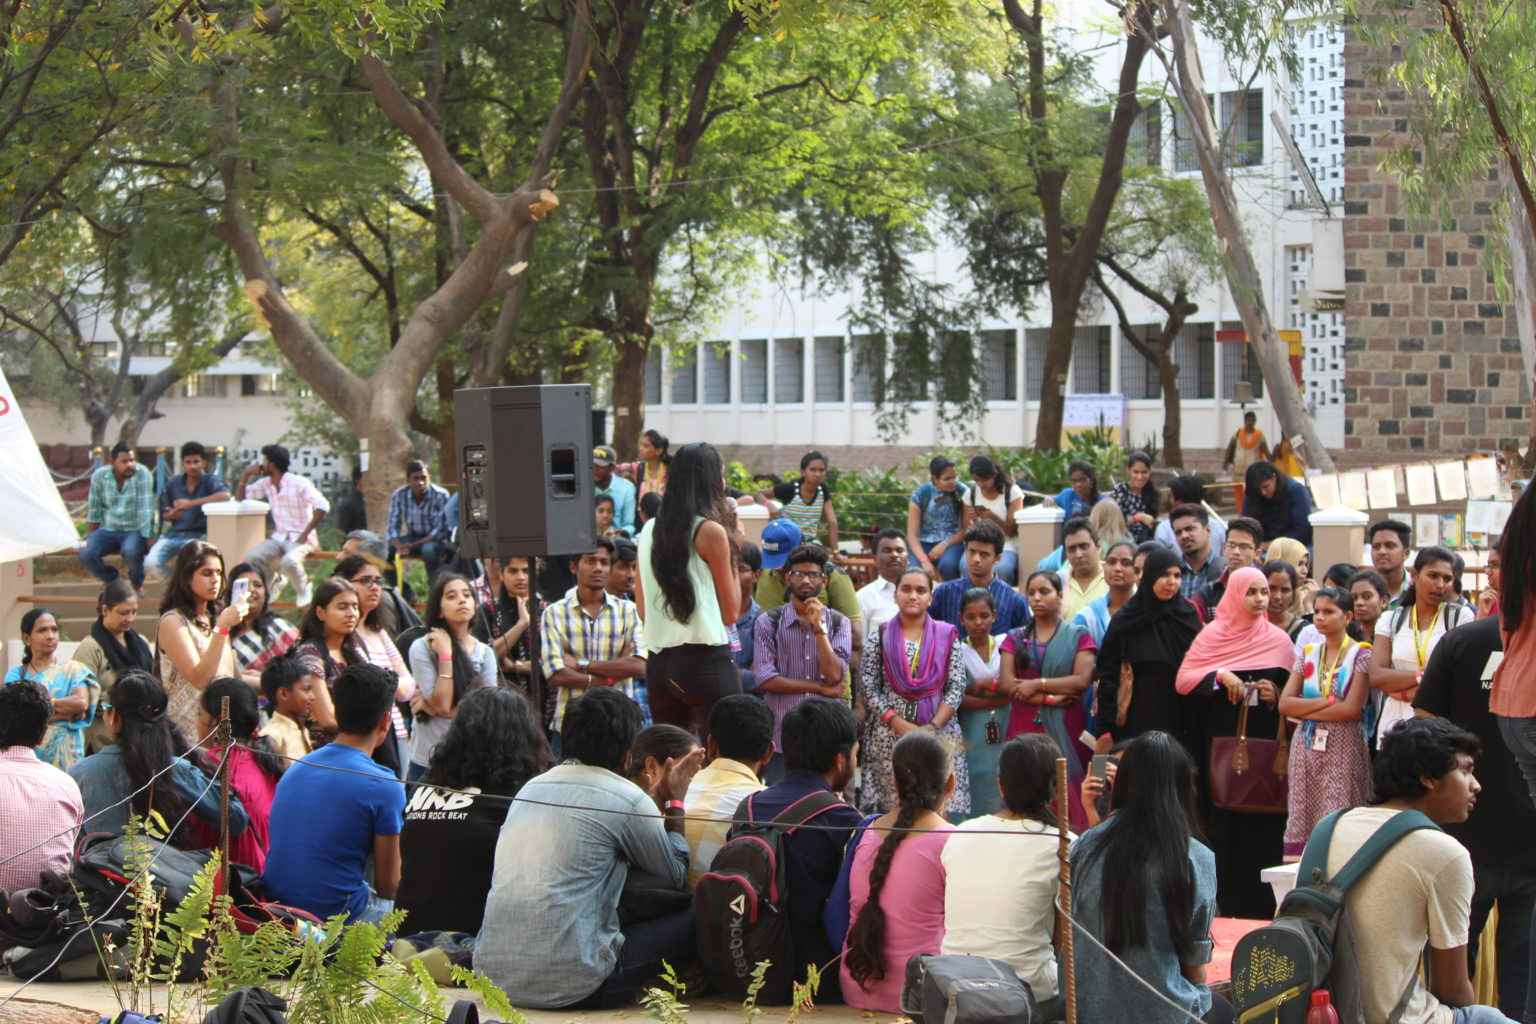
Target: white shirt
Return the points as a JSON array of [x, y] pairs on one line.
[[1405, 658], [293, 503], [998, 506], [877, 603], [998, 897]]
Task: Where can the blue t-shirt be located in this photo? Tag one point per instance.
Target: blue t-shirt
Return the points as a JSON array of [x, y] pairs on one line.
[[941, 515], [322, 826], [192, 521]]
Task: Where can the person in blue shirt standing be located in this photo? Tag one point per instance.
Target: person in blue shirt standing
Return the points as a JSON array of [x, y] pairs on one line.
[[182, 518], [606, 482], [418, 519], [118, 515], [337, 807], [984, 544]]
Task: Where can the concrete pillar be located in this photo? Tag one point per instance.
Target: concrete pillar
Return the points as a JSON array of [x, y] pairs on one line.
[[1338, 535], [1037, 525], [234, 527], [752, 519], [15, 582]]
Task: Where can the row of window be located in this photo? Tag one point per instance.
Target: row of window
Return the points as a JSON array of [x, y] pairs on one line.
[[774, 372]]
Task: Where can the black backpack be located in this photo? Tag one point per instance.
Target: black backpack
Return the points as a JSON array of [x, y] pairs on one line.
[[740, 903], [1309, 944]]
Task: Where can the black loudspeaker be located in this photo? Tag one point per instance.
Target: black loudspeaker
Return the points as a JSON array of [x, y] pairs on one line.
[[526, 458]]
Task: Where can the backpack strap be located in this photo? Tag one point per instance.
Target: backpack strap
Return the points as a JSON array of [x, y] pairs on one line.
[[1376, 847], [810, 806]]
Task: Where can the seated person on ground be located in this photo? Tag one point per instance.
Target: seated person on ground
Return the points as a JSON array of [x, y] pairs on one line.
[[551, 938], [492, 748], [819, 737], [896, 888], [37, 800], [289, 686], [1000, 890], [1420, 892], [254, 766], [737, 749], [337, 806], [144, 742]]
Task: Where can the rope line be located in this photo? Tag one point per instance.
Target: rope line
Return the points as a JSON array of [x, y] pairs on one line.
[[110, 807], [138, 880]]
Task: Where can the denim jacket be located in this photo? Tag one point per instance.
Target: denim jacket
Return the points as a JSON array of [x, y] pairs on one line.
[[104, 782], [551, 932]]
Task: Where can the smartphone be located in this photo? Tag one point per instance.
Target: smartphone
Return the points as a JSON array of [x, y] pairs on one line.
[[239, 589], [1099, 767]]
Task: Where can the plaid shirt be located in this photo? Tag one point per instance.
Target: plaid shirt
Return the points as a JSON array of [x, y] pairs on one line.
[[410, 518], [567, 628], [293, 500], [129, 508]]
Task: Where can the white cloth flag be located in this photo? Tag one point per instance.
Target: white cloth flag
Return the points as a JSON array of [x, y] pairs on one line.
[[35, 520]]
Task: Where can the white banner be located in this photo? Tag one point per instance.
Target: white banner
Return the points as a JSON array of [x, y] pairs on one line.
[[34, 521]]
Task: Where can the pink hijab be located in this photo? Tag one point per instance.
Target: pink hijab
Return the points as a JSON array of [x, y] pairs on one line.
[[1235, 639]]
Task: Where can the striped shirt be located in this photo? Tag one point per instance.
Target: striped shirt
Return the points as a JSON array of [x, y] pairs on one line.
[[566, 628], [788, 648], [715, 793], [1012, 609], [410, 517], [294, 500], [129, 508], [794, 507]]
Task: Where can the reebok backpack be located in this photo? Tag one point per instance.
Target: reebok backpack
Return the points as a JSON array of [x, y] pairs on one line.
[[1309, 944], [740, 903]]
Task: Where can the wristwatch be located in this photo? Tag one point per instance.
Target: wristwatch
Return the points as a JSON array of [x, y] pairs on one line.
[[583, 664]]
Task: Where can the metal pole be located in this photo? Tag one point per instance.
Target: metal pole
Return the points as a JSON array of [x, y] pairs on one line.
[[1064, 896], [226, 741], [535, 685]]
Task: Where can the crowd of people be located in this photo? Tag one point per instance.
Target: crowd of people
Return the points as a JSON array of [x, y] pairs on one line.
[[545, 769]]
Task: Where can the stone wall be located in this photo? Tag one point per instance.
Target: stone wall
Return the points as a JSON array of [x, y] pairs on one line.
[[1432, 358]]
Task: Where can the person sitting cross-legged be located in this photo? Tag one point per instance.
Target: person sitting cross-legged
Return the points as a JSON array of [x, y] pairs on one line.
[[40, 806], [739, 745], [552, 937], [337, 807]]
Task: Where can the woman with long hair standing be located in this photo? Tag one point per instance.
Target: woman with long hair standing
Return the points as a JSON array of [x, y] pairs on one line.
[[494, 745], [1237, 666], [1514, 682], [1144, 886], [114, 783], [896, 891], [263, 634], [254, 766], [448, 663], [1137, 497], [193, 633], [1407, 635], [688, 591], [113, 647], [1142, 649], [912, 675], [1046, 667], [70, 686]]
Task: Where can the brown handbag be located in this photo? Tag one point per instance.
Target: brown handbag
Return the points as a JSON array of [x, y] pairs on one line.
[[1249, 775]]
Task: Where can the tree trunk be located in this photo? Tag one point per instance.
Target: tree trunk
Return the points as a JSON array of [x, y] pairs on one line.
[[629, 394], [1242, 273], [389, 448], [1168, 377], [1053, 382], [1522, 276], [98, 419], [447, 435]]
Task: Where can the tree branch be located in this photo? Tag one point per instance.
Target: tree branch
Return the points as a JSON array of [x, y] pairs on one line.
[[578, 60], [692, 129]]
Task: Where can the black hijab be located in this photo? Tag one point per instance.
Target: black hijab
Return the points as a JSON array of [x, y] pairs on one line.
[[1147, 629]]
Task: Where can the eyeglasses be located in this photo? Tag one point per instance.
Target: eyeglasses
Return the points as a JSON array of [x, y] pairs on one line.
[[809, 577], [369, 581]]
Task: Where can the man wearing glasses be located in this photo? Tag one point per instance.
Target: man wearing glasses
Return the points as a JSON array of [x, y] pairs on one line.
[[1241, 551], [800, 649]]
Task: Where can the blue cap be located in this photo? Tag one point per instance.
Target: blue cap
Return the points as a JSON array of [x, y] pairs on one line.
[[780, 537]]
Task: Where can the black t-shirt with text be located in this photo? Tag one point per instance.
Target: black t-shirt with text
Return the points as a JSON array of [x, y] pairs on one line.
[[447, 850], [1456, 686]]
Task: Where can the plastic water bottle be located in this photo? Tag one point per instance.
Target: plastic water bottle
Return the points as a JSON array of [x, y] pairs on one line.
[[1321, 1011]]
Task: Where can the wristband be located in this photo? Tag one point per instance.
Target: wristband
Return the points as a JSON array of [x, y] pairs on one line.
[[889, 714], [673, 805], [1332, 700], [223, 631]]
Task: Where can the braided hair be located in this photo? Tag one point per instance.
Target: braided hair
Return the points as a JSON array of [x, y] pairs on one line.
[[921, 766], [28, 624]]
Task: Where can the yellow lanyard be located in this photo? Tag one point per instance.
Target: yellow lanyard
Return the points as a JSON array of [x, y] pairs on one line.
[[917, 655], [1421, 640], [1327, 676]]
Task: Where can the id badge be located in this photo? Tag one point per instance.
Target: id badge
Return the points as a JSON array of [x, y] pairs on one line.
[[994, 731], [1320, 740]]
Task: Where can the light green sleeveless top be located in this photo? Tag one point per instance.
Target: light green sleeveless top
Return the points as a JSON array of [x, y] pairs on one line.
[[661, 630]]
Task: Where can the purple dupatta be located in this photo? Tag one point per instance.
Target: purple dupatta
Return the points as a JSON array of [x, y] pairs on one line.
[[927, 687]]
